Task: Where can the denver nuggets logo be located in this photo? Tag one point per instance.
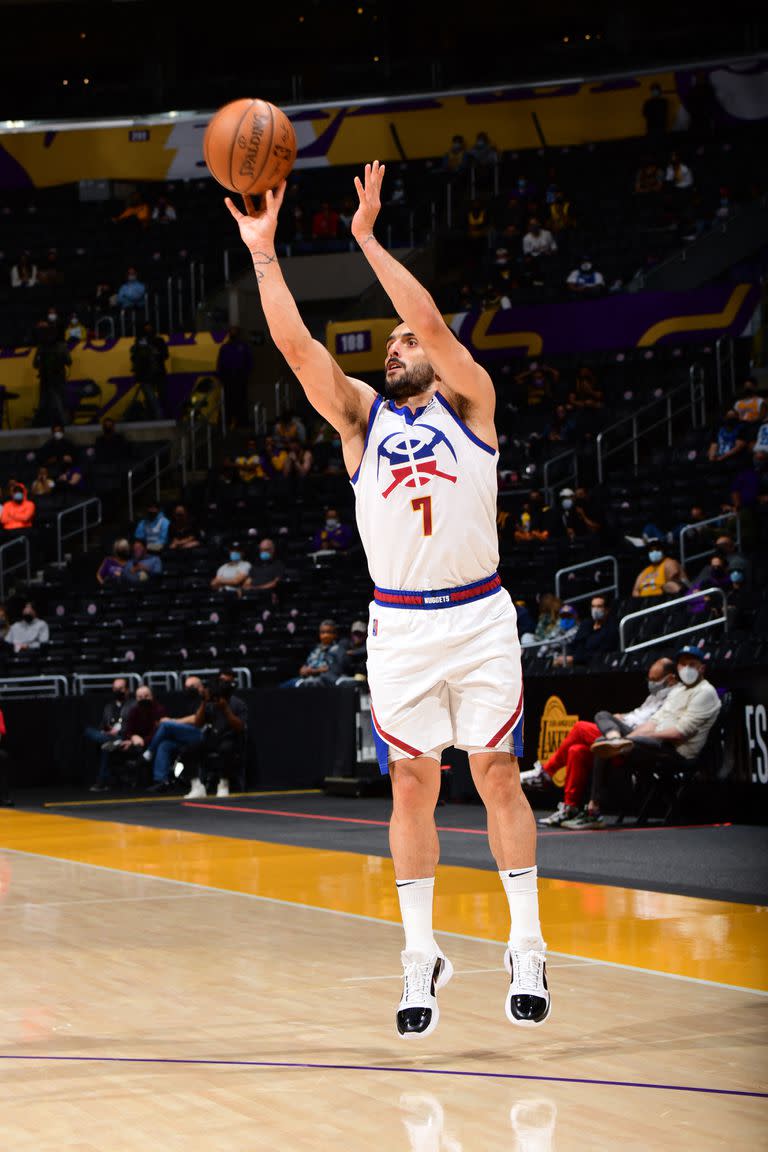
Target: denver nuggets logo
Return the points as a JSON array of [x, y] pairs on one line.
[[412, 457]]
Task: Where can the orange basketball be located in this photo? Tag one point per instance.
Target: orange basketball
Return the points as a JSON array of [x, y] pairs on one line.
[[249, 146]]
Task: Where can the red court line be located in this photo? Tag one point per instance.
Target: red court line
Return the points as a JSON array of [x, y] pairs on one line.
[[440, 828]]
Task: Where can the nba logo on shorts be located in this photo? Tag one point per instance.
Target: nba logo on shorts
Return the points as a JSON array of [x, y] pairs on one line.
[[374, 628]]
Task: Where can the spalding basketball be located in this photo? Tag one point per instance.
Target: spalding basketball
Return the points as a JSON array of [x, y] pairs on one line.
[[249, 146]]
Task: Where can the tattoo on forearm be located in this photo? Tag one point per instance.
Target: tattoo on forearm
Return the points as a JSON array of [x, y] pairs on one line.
[[368, 237], [259, 258]]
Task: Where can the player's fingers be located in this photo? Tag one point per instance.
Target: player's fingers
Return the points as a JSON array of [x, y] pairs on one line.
[[233, 208], [279, 193], [358, 187]]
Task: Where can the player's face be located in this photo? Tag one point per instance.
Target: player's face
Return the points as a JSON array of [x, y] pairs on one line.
[[407, 372]]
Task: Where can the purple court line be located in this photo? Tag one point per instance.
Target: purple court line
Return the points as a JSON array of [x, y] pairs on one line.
[[385, 1068], [440, 828]]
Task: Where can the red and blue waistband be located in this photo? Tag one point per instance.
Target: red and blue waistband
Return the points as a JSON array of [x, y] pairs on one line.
[[440, 597]]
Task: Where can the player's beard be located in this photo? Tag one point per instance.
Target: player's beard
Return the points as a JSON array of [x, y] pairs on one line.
[[411, 382]]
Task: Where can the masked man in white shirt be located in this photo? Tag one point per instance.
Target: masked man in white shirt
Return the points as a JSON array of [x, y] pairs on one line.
[[677, 731]]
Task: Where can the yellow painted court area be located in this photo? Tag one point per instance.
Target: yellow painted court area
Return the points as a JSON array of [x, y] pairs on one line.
[[711, 940]]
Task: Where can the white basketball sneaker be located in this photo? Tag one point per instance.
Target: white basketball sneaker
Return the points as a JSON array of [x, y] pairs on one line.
[[423, 975], [223, 788], [196, 790], [527, 1002]]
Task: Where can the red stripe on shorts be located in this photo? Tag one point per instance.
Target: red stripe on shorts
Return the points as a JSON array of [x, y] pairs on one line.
[[393, 739], [509, 724]]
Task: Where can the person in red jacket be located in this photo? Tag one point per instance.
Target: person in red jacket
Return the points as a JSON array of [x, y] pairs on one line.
[[19, 511]]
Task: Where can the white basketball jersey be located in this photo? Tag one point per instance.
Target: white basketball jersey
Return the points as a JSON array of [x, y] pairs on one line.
[[426, 498]]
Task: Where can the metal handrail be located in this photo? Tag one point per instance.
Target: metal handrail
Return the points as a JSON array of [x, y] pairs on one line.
[[243, 678], [83, 682], [696, 627], [613, 587], [135, 488], [573, 475], [696, 393], [82, 508], [167, 680], [6, 570], [24, 687], [723, 516]]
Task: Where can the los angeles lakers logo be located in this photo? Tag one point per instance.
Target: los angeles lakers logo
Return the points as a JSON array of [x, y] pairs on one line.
[[555, 726], [414, 457]]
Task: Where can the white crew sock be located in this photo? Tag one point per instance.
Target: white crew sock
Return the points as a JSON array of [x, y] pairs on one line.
[[521, 887], [415, 898]]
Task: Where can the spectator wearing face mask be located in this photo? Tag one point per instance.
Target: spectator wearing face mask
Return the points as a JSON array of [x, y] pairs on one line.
[[586, 280], [268, 571], [109, 730], [597, 634], [153, 528], [587, 739], [233, 576], [662, 576], [334, 536], [676, 732], [566, 522], [132, 292], [58, 445], [714, 574], [29, 632], [18, 512], [728, 439]]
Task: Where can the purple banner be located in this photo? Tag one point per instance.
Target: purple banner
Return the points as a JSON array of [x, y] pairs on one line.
[[622, 321]]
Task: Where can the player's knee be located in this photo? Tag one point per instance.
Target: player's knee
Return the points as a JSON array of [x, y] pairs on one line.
[[412, 787]]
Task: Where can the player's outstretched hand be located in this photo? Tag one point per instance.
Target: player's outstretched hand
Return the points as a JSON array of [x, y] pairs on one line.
[[257, 225], [369, 195]]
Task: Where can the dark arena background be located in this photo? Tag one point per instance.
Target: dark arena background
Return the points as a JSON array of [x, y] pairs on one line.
[[202, 947]]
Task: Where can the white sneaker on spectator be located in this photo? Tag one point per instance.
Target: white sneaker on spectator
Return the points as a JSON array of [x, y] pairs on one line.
[[196, 790], [223, 788], [536, 777]]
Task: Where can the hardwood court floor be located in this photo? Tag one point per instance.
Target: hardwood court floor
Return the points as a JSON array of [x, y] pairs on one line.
[[171, 990]]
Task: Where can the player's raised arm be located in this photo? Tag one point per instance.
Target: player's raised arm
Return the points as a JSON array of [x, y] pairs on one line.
[[459, 373], [341, 400]]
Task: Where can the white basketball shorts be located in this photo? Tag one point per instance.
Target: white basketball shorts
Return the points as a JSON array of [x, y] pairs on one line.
[[450, 676]]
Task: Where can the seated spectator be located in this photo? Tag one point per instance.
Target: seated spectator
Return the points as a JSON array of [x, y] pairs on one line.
[[153, 528], [233, 576], [24, 272], [662, 576], [334, 536], [676, 732], [353, 654], [483, 152], [107, 735], [163, 211], [141, 722], [596, 635], [185, 735], [575, 753], [531, 523], [18, 512], [548, 620], [726, 548], [132, 292], [251, 465], [142, 565], [183, 531], [52, 452], [585, 281], [728, 439], [561, 427], [110, 571], [42, 485], [569, 520], [71, 478], [28, 633], [322, 666], [536, 385], [268, 571], [222, 717], [110, 446], [750, 406], [585, 393], [300, 460], [455, 159], [75, 329], [678, 175]]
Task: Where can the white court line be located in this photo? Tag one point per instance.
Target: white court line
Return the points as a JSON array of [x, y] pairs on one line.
[[462, 972], [209, 889], [92, 900]]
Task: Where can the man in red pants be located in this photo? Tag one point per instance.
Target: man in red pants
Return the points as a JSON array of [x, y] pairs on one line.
[[575, 751]]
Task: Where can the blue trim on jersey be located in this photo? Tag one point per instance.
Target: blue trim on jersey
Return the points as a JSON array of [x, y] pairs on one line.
[[409, 416], [468, 431], [377, 402]]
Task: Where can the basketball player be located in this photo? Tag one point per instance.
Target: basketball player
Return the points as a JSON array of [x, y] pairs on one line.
[[443, 653]]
